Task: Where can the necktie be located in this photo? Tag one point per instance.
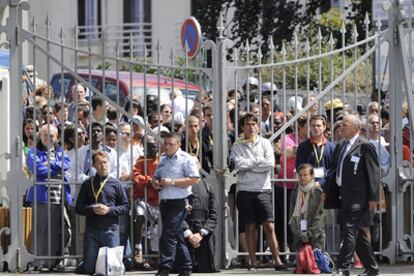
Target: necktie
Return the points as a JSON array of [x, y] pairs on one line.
[[343, 151], [340, 159]]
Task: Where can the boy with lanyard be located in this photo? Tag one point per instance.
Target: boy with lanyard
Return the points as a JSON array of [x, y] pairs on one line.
[[102, 200], [316, 150]]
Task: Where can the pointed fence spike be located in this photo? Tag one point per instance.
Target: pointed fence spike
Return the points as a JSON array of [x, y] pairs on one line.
[[307, 45], [366, 20], [117, 49], [145, 52], [47, 21], [271, 44], [260, 54], [76, 30], [355, 32], [295, 40], [331, 39], [319, 35], [379, 24], [343, 27], [172, 55], [158, 48], [247, 46], [61, 34], [283, 51], [235, 55], [220, 25]]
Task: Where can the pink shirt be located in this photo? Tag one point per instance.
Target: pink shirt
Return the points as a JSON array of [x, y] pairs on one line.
[[288, 141]]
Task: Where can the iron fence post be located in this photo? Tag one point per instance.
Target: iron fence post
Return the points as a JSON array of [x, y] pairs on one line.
[[16, 183], [220, 135], [396, 98]]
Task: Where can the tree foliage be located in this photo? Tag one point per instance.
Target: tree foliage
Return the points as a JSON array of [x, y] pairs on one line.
[[255, 21]]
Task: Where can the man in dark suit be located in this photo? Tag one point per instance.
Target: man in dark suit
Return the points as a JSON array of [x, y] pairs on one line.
[[353, 187]]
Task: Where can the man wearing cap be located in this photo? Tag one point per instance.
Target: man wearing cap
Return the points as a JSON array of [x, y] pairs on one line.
[[334, 106], [316, 150]]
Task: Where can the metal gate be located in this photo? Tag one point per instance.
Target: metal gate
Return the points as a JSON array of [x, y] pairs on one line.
[[297, 71]]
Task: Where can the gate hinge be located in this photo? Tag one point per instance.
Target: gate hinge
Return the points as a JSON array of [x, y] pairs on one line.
[[17, 35], [395, 35], [18, 147]]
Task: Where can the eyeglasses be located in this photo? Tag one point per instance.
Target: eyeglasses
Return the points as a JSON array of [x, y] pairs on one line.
[[124, 133]]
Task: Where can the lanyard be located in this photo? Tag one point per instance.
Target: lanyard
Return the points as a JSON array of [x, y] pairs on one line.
[[96, 195], [191, 149], [318, 159]]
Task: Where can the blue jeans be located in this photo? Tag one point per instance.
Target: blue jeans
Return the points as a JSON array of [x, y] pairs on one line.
[[94, 239], [173, 247]]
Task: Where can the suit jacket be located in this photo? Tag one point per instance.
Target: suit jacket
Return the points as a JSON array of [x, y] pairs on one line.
[[360, 177]]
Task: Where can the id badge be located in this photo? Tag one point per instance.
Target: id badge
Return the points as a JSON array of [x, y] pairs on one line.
[[319, 172], [303, 225]]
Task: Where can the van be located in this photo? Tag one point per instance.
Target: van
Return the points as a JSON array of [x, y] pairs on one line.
[[151, 82]]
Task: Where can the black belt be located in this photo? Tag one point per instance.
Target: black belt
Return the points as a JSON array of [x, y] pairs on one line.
[[172, 200]]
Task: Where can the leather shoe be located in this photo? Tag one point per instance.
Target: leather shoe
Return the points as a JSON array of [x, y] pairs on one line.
[[367, 273], [162, 273], [341, 273], [185, 273]]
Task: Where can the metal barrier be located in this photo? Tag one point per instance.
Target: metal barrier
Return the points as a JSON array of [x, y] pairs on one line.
[[297, 71]]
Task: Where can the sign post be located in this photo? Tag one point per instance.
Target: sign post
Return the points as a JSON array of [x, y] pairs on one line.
[[191, 36]]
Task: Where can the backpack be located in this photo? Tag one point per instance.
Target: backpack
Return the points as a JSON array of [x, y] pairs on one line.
[[306, 261], [323, 260]]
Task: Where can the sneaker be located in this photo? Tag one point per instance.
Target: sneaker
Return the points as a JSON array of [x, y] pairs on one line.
[[358, 265], [138, 258]]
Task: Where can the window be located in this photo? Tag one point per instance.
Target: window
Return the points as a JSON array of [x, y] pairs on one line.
[[89, 19]]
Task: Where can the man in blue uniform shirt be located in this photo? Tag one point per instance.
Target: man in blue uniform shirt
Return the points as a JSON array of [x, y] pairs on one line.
[[174, 176], [102, 200]]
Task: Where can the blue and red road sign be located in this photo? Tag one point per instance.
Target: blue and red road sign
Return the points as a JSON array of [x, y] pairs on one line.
[[191, 35]]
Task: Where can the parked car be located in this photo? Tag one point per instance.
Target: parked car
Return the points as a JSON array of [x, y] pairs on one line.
[[151, 82]]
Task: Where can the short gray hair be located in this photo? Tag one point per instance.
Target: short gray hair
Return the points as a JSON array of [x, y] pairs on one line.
[[354, 119]]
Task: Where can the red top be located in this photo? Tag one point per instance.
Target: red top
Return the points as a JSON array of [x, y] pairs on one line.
[[141, 180]]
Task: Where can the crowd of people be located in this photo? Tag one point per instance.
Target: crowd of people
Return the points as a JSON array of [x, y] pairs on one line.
[[89, 160]]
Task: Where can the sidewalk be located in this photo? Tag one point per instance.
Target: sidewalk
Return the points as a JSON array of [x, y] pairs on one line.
[[386, 270]]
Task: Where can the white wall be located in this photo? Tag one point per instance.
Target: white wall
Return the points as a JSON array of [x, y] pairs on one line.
[[60, 13], [167, 18]]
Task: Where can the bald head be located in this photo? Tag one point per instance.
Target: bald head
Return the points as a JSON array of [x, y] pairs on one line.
[[79, 90], [48, 135]]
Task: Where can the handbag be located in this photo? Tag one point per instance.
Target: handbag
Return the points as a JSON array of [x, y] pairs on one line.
[[306, 261], [109, 261], [323, 260]]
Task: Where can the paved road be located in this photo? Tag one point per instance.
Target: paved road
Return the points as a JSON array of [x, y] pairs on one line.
[[386, 270]]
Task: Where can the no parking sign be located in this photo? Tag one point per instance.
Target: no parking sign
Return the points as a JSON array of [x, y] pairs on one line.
[[191, 35]]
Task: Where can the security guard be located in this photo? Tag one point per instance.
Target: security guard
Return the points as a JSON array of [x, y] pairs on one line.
[[174, 176]]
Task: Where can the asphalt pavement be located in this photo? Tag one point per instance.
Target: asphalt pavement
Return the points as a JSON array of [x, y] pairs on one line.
[[385, 269]]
